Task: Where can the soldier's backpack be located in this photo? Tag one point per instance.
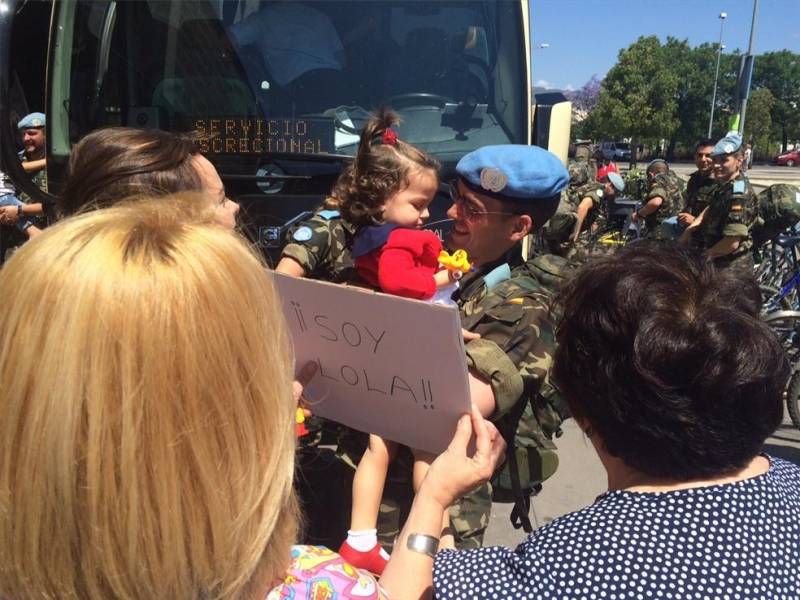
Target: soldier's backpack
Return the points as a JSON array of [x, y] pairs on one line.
[[529, 428], [778, 209]]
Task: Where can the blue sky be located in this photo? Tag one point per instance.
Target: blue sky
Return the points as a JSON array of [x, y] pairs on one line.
[[585, 36]]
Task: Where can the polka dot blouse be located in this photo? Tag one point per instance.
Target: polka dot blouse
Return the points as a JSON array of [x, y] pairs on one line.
[[731, 541]]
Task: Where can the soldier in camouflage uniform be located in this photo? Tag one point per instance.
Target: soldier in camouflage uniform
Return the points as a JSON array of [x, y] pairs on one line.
[[318, 248], [701, 184], [725, 226], [504, 301], [33, 137], [502, 194], [582, 207], [664, 198], [583, 154]]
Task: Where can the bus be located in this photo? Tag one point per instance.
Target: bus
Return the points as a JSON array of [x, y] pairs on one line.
[[279, 89]]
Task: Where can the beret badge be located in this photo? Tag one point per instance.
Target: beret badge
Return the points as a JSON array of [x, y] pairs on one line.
[[493, 180]]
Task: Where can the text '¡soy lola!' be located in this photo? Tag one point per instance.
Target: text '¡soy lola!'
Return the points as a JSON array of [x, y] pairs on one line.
[[357, 336]]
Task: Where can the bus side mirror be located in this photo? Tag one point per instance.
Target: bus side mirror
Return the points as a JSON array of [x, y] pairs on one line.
[[552, 122]]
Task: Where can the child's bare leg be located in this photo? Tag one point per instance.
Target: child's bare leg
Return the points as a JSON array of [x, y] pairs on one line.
[[369, 481], [361, 547], [422, 462]]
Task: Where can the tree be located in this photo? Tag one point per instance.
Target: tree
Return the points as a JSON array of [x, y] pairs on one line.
[[638, 98], [780, 73], [758, 125], [694, 69], [586, 98]]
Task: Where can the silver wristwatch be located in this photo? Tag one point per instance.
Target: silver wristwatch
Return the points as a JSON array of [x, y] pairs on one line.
[[424, 544]]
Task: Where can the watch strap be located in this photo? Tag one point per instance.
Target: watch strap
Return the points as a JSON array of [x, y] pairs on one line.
[[424, 544]]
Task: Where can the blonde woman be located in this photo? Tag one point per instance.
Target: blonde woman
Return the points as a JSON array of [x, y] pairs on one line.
[[147, 420]]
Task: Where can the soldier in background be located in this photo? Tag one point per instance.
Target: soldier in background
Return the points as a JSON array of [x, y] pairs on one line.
[[665, 197], [583, 155], [725, 226], [33, 159], [700, 188], [582, 204]]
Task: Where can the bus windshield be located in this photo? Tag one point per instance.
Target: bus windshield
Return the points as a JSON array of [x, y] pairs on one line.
[[264, 77]]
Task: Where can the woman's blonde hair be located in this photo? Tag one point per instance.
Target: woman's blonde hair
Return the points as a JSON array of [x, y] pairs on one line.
[[146, 430]]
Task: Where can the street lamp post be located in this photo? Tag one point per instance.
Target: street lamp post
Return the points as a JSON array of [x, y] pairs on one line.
[[722, 17], [749, 71]]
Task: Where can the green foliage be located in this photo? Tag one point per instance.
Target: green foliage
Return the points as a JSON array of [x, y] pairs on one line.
[[636, 184], [663, 91], [638, 97], [780, 73], [758, 124]]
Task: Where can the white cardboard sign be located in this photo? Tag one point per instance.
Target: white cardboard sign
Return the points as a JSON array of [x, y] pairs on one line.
[[386, 365]]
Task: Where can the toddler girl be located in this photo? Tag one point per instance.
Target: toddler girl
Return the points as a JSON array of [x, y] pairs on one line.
[[385, 193]]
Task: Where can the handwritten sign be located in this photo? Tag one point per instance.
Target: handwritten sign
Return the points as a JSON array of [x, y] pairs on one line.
[[260, 136], [386, 365]]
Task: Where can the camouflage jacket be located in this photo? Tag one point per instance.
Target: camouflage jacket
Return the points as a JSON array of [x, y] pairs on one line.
[[699, 191], [593, 190], [732, 212], [507, 303], [670, 188], [39, 178], [320, 245], [580, 172]]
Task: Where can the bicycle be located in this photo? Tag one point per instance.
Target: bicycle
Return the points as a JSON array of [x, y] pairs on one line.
[[778, 274]]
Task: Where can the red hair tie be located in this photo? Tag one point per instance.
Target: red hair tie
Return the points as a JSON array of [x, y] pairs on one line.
[[389, 137]]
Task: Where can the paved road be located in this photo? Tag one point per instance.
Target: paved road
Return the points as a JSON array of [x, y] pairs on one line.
[[580, 479]]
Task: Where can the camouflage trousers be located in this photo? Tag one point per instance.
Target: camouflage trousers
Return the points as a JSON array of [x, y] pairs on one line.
[[469, 517]]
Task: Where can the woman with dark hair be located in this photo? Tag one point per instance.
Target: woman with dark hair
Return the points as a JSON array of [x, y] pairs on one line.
[[677, 383], [115, 163]]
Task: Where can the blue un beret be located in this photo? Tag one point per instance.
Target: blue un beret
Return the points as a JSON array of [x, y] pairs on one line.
[[727, 145], [617, 181], [514, 171], [32, 120]]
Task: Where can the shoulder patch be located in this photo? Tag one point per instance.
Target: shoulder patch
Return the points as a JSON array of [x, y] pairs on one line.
[[497, 276], [329, 214], [738, 187], [302, 234]]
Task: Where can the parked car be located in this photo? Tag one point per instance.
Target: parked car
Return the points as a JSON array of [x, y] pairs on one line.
[[789, 159], [616, 150]]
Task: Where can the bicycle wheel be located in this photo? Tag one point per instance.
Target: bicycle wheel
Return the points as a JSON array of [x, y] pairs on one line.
[[792, 395], [771, 300], [786, 325]]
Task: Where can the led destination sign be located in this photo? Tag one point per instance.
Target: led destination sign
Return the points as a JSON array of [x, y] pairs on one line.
[[261, 136]]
